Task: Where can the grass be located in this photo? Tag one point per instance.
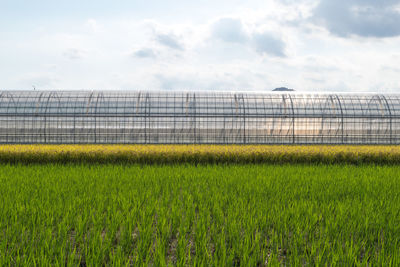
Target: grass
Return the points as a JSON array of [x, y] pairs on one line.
[[212, 215], [199, 154]]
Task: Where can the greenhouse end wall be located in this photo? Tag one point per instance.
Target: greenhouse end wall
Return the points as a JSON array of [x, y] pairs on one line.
[[169, 117]]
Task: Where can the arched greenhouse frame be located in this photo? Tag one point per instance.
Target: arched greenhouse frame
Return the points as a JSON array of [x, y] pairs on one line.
[[170, 117]]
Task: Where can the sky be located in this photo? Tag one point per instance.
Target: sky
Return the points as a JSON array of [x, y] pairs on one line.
[[311, 46]]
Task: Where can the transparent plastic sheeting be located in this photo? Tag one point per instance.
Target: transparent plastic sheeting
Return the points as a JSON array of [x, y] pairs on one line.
[[139, 117]]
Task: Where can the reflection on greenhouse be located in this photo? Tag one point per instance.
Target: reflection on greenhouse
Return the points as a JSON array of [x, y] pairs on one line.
[[198, 117]]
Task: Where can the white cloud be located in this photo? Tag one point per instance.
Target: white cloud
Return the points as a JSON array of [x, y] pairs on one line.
[[229, 30], [366, 18], [232, 30], [266, 45], [145, 53], [74, 53], [93, 26], [37, 80], [169, 40]]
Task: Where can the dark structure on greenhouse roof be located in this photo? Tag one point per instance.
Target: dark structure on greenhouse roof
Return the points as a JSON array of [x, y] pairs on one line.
[[104, 117]]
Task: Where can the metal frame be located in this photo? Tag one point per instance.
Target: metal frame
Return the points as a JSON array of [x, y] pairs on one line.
[[169, 117]]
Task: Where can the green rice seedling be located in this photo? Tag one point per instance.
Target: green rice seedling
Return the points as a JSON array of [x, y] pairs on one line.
[[214, 215]]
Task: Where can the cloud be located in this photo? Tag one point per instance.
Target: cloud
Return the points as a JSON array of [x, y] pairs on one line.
[[74, 53], [203, 81], [267, 43], [169, 40], [144, 53], [365, 18], [93, 26], [38, 80], [232, 30], [390, 69], [229, 30], [169, 82]]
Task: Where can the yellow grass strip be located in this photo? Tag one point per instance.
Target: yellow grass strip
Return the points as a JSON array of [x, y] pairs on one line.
[[199, 154]]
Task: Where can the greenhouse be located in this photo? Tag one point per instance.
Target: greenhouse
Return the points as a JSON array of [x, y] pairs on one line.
[[170, 117]]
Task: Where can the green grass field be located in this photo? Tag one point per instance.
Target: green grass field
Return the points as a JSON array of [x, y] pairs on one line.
[[206, 215]]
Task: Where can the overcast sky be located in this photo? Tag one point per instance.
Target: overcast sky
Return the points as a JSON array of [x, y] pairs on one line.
[[326, 45]]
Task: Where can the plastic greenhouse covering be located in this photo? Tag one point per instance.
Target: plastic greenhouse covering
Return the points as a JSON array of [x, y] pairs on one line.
[[150, 117]]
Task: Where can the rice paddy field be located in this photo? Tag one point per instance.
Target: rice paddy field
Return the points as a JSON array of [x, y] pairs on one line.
[[60, 211]]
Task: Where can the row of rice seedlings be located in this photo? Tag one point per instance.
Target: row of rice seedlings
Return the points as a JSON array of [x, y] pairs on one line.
[[199, 154], [206, 215]]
